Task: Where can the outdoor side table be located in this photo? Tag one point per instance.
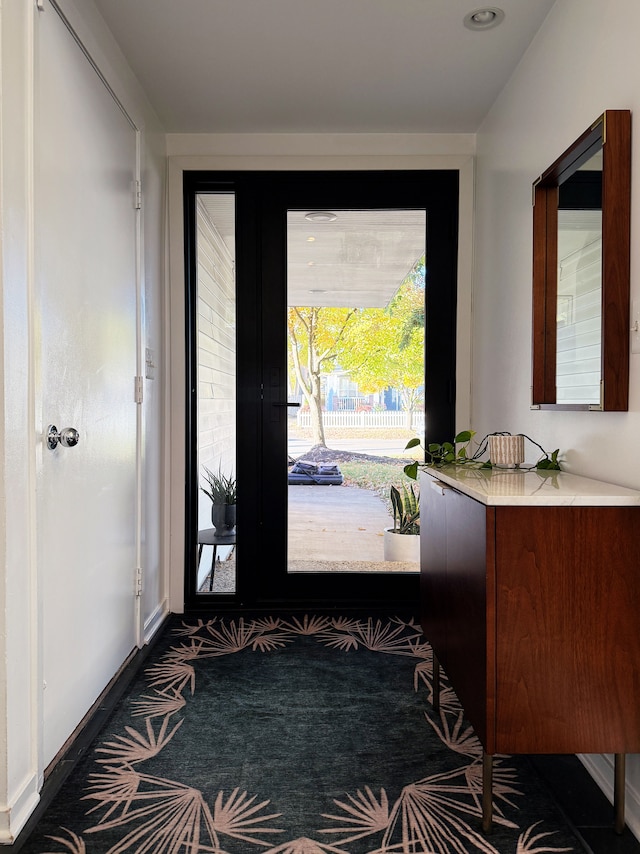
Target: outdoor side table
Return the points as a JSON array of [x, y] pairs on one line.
[[209, 537]]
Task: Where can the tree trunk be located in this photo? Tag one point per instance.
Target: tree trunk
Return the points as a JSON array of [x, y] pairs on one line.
[[315, 407]]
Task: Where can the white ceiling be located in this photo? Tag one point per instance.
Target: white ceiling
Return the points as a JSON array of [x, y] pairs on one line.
[[324, 66], [313, 66]]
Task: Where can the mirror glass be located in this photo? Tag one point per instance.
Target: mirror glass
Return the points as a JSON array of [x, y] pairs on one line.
[[579, 297], [581, 262]]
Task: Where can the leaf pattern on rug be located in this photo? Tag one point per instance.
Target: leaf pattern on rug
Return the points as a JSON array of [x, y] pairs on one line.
[[188, 651], [345, 624], [435, 815], [158, 705], [190, 629], [168, 818], [235, 816], [364, 811], [115, 789], [308, 625], [378, 636], [529, 839], [428, 813], [75, 845], [172, 676], [427, 818], [459, 738], [235, 637], [137, 748], [303, 845], [502, 787]]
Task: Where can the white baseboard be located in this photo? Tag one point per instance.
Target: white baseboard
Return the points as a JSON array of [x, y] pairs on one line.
[[14, 815], [600, 766], [153, 623]]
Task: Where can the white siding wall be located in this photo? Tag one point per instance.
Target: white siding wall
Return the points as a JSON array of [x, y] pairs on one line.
[[579, 315], [584, 60], [216, 355]]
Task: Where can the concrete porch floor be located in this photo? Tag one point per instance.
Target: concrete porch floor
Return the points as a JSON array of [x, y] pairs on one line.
[[331, 529], [336, 523]]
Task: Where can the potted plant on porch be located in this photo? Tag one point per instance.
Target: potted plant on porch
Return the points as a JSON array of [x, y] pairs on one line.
[[402, 542], [221, 489]]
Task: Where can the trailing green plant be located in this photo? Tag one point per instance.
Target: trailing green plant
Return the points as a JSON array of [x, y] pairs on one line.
[[221, 487], [406, 509], [458, 452]]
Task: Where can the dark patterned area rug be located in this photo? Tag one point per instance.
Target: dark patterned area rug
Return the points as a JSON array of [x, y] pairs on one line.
[[296, 735]]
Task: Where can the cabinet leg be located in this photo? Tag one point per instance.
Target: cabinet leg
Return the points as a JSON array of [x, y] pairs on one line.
[[487, 792], [619, 791], [435, 685]]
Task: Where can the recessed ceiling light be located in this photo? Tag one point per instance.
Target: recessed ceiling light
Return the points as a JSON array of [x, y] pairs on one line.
[[484, 19], [310, 239], [320, 216], [317, 291]]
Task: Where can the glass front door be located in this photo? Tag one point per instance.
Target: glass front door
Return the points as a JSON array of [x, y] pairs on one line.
[[328, 342]]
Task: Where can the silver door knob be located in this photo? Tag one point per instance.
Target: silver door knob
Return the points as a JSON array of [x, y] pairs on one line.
[[68, 437]]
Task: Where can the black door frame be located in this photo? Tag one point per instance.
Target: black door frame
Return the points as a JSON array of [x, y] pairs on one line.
[[261, 202]]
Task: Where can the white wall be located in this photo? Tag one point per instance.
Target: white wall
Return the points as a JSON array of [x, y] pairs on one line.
[[22, 604], [584, 60]]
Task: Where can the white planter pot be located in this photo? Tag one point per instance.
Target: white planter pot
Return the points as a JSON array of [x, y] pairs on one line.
[[401, 547]]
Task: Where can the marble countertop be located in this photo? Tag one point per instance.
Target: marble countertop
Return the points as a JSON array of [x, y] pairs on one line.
[[496, 487]]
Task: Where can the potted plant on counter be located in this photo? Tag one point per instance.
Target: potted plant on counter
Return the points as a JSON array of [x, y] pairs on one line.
[[402, 542], [221, 489], [458, 452]]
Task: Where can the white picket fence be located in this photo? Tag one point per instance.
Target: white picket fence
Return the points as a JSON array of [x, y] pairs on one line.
[[364, 420]]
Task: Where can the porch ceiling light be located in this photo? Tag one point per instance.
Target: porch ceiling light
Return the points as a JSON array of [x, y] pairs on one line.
[[320, 216], [484, 19]]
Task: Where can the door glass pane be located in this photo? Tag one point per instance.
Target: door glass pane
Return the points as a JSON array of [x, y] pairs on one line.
[[216, 374], [355, 318]]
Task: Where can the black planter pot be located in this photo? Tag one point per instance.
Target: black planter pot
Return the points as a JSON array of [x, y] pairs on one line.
[[223, 518]]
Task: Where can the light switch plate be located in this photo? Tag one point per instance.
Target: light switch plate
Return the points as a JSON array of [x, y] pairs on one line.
[[149, 365], [635, 326]]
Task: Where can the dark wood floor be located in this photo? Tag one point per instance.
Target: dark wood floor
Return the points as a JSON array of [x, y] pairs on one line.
[[584, 804]]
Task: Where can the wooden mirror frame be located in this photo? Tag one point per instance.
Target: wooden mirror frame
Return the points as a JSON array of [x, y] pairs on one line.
[[611, 133]]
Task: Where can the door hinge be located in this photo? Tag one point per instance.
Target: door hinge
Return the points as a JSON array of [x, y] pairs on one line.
[[138, 581], [138, 389], [40, 5], [137, 194]]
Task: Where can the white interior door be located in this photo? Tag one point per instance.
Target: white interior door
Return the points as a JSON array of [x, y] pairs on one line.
[[85, 306]]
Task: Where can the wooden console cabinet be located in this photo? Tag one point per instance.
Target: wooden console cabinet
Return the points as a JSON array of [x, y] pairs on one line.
[[530, 598]]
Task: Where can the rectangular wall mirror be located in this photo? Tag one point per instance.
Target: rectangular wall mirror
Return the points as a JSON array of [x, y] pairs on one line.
[[581, 265]]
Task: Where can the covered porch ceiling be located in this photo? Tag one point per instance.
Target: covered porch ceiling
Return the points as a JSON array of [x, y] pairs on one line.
[[350, 258]]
